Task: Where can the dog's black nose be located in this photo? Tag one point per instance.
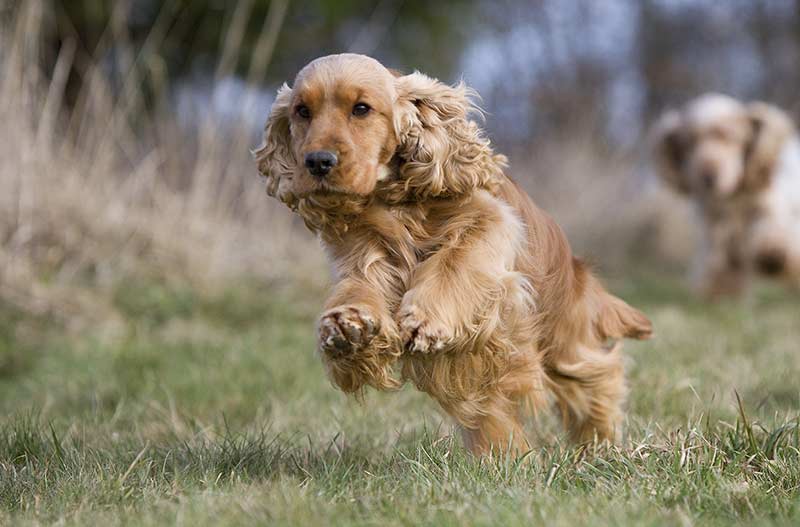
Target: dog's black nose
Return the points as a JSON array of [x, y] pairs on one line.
[[771, 262], [321, 162], [709, 178]]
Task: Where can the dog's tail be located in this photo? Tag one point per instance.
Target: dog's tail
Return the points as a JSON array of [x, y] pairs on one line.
[[611, 317], [615, 319]]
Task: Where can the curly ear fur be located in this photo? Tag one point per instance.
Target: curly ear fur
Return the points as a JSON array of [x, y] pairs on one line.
[[275, 159], [670, 149], [770, 129], [444, 152]]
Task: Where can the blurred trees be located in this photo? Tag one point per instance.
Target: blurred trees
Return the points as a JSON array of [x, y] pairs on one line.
[[545, 67], [192, 34], [606, 69], [748, 47]]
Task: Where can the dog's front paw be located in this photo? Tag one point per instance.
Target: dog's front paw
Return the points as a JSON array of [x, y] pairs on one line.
[[420, 333], [346, 329]]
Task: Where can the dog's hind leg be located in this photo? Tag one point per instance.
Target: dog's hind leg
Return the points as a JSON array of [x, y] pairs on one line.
[[498, 432], [518, 393], [488, 393], [590, 393]]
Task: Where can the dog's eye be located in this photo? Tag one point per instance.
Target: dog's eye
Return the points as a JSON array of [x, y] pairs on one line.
[[303, 111], [361, 109]]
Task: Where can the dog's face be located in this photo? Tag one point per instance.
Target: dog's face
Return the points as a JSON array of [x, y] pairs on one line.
[[348, 123], [718, 146], [712, 147], [341, 125]]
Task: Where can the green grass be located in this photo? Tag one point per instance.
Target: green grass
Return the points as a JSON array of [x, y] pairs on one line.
[[212, 409]]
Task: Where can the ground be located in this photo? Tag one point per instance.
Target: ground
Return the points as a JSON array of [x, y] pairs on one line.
[[211, 408]]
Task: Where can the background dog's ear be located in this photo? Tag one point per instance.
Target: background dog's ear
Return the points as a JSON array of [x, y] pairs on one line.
[[670, 149], [275, 159], [770, 128], [444, 152]]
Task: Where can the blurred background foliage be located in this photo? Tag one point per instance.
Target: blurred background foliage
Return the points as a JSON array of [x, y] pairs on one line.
[[193, 35], [197, 29], [146, 112], [544, 67]]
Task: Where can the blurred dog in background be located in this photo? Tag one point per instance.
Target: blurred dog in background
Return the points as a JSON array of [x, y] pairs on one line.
[[740, 164], [448, 275]]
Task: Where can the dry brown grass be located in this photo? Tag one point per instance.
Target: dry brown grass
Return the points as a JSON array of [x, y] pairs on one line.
[[112, 187]]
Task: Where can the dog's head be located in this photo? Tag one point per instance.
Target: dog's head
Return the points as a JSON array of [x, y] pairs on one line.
[[717, 147], [349, 126]]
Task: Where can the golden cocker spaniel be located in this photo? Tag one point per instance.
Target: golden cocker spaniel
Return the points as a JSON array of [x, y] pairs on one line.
[[740, 165], [448, 275]]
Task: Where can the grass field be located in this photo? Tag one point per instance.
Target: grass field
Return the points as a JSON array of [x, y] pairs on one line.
[[211, 408]]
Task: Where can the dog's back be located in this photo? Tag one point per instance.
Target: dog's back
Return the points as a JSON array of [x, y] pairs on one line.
[[564, 283]]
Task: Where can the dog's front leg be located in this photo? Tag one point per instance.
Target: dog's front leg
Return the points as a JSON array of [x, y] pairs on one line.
[[358, 337], [719, 268], [458, 293]]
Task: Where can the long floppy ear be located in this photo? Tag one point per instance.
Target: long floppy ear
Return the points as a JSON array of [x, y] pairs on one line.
[[274, 157], [770, 129], [444, 152], [670, 148]]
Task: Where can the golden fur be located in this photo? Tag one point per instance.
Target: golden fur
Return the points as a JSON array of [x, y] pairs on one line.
[[448, 275], [740, 164]]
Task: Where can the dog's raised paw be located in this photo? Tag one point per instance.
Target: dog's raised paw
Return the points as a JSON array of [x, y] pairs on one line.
[[421, 334], [346, 329]]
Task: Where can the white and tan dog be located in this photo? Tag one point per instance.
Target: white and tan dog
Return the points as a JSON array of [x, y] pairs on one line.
[[740, 164]]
